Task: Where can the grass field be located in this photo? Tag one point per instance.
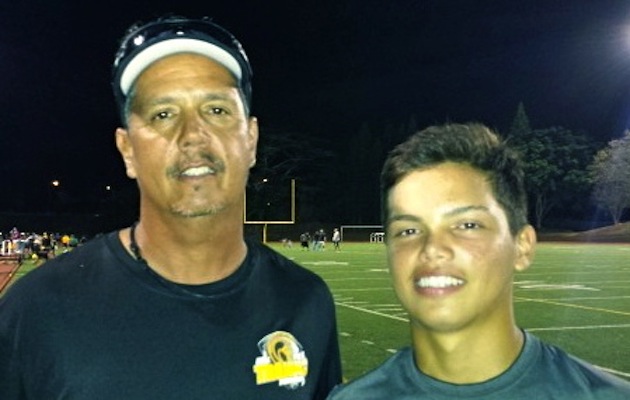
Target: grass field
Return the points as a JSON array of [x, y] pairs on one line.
[[574, 295]]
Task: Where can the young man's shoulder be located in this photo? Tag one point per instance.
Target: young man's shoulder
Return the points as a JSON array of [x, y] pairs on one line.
[[542, 370], [577, 375], [388, 380]]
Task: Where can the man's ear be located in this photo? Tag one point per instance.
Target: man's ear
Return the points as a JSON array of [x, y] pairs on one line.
[[525, 248], [123, 143], [252, 139]]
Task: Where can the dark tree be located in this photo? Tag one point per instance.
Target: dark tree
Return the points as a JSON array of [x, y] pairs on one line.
[[556, 161], [520, 124], [284, 157]]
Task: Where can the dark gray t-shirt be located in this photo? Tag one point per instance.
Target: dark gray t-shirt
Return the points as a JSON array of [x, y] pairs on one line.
[[542, 371]]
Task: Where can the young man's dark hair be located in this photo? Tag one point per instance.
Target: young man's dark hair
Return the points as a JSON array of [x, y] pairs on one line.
[[471, 144]]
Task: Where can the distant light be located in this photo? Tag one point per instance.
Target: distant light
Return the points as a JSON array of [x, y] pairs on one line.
[[55, 183], [138, 40], [108, 188], [265, 180]]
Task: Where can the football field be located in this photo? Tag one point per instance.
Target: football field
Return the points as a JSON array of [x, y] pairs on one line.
[[576, 296]]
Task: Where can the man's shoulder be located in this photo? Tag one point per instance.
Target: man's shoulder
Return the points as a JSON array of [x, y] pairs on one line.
[[279, 271], [265, 255], [63, 270], [90, 250]]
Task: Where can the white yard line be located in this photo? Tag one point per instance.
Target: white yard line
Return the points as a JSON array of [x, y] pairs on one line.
[[365, 310], [559, 328]]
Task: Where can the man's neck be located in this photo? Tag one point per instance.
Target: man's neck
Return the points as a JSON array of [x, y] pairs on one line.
[[467, 357], [190, 250]]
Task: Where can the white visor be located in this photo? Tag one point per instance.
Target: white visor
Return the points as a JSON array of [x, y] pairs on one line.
[[173, 46]]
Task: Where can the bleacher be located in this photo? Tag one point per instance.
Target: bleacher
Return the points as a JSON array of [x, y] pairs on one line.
[[10, 263]]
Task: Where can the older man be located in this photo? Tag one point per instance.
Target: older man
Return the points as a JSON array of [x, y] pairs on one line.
[[178, 306]]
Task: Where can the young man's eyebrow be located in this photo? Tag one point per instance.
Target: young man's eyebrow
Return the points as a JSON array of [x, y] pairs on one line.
[[451, 213], [402, 217], [465, 209]]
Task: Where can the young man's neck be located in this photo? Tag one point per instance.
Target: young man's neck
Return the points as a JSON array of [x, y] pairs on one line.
[[467, 357]]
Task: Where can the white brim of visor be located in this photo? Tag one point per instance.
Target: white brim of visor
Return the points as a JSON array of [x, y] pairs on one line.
[[174, 46]]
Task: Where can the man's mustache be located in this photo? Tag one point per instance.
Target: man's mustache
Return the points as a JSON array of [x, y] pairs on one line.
[[206, 159]]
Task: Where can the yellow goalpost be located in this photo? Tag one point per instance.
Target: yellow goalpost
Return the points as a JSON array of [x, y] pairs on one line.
[[266, 223]]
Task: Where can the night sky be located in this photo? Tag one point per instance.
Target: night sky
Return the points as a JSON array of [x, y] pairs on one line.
[[321, 69]]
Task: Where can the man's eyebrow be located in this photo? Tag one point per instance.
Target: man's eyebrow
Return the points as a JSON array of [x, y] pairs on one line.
[[217, 96], [206, 97], [160, 101]]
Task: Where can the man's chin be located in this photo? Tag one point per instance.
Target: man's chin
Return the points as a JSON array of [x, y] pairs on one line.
[[197, 212]]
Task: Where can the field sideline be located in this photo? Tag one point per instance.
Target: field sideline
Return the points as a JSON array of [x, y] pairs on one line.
[[574, 295]]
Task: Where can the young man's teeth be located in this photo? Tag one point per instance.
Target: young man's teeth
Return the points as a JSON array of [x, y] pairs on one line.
[[438, 282], [198, 171]]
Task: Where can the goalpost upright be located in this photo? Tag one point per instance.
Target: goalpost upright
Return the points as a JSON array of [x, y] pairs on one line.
[[265, 223]]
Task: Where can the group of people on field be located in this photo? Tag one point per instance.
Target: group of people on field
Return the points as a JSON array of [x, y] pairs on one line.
[[38, 246], [181, 305], [317, 241]]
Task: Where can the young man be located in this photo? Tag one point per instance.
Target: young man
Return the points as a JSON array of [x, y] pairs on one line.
[[456, 233], [179, 306]]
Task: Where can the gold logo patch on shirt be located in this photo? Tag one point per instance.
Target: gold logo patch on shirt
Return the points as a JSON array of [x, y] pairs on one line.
[[282, 359]]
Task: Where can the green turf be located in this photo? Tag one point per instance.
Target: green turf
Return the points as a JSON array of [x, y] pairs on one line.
[[574, 295]]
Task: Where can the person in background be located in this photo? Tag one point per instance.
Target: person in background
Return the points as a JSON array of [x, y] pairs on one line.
[[65, 242], [179, 305], [455, 216], [74, 241], [336, 239], [319, 240], [305, 239]]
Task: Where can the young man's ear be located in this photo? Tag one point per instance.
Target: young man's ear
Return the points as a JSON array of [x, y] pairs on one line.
[[525, 248], [126, 151]]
